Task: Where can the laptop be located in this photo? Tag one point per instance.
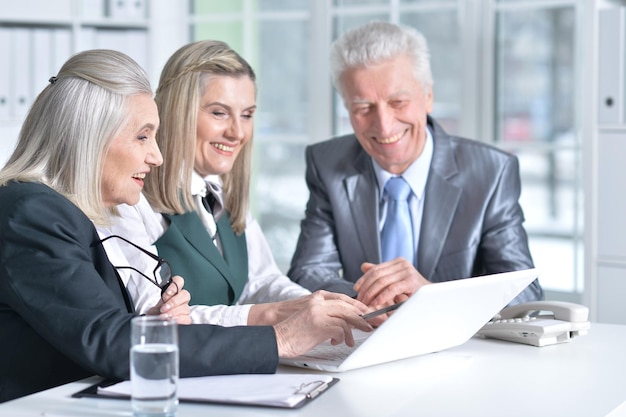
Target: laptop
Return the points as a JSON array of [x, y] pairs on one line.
[[437, 317]]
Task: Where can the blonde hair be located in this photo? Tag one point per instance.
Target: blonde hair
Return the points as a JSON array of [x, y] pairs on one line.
[[184, 80], [71, 124]]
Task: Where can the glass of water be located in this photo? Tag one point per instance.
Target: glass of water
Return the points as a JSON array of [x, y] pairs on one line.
[[154, 366]]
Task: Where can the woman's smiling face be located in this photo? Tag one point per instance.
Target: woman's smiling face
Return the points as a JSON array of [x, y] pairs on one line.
[[131, 154], [225, 123]]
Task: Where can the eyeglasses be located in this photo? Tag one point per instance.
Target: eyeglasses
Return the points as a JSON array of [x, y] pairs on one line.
[[162, 272]]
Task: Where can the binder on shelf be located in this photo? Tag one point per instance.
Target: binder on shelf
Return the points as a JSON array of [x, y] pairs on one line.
[[22, 64], [5, 74], [86, 39], [136, 8], [42, 59], [36, 9], [132, 42], [92, 9], [116, 8], [136, 46], [265, 390], [61, 48], [610, 53], [111, 39]]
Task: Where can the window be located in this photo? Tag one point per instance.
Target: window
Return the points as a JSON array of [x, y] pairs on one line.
[[534, 117]]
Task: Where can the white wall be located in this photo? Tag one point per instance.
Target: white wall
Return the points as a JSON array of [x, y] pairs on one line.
[[604, 150]]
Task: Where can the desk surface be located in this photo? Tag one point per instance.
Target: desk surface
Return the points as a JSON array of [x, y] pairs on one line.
[[586, 377]]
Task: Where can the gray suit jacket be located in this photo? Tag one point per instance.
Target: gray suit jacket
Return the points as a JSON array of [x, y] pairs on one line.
[[471, 224]]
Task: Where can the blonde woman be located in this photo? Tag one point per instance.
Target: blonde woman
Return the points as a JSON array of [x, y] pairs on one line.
[[196, 207]]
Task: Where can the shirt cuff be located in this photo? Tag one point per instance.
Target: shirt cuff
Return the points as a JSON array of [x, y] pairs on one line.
[[220, 315]]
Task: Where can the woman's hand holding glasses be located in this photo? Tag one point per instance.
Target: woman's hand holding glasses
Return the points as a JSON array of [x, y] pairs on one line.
[[174, 302]]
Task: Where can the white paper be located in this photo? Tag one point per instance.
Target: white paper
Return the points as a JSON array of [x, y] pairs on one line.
[[278, 390]]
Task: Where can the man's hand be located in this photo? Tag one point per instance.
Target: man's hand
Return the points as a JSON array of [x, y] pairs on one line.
[[388, 283]]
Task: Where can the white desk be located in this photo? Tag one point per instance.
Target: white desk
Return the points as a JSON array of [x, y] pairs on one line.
[[585, 378]]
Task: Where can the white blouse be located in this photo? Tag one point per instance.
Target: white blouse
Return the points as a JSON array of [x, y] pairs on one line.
[[143, 226]]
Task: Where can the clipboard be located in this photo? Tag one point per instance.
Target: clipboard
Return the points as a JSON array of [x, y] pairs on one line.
[[258, 390]]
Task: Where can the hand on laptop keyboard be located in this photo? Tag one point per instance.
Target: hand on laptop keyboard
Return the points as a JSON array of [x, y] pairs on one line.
[[322, 316]]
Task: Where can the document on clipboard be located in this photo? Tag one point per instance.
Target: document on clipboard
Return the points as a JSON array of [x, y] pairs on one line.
[[267, 390]]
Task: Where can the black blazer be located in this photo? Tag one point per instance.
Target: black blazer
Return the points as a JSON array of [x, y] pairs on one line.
[[65, 315]]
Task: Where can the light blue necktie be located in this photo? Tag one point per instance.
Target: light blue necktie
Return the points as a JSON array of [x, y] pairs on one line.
[[397, 235]]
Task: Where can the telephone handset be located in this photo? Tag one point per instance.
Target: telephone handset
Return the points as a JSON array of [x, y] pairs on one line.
[[539, 323]]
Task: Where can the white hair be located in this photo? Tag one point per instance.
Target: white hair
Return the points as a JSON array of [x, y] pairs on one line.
[[376, 42], [71, 124]]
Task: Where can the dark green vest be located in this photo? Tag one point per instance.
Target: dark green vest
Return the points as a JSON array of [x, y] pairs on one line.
[[210, 278]]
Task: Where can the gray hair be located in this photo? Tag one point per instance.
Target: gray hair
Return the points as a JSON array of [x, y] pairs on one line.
[[71, 124], [376, 42]]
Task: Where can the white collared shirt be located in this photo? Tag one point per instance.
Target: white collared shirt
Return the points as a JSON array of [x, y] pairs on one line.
[[143, 226], [199, 190]]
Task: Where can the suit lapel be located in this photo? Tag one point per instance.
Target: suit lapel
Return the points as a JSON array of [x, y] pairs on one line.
[[442, 198], [194, 232], [129, 304], [235, 253], [361, 190], [108, 272]]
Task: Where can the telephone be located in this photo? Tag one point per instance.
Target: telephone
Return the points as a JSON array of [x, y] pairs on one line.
[[539, 323]]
